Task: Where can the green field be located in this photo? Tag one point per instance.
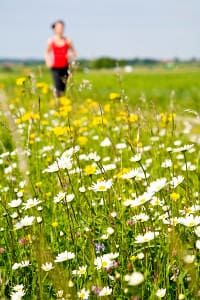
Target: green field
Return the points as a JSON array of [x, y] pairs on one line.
[[100, 189], [155, 85]]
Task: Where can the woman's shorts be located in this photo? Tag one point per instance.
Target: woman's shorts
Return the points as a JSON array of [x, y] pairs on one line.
[[60, 76]]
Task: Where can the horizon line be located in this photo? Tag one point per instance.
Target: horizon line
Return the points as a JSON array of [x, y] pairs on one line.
[[107, 56]]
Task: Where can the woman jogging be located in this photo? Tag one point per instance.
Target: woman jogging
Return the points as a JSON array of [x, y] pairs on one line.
[[57, 57]]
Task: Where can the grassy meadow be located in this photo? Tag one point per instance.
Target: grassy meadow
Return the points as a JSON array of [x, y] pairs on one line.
[[100, 189]]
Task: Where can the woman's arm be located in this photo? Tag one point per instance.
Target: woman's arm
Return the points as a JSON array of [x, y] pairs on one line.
[[72, 53], [48, 58]]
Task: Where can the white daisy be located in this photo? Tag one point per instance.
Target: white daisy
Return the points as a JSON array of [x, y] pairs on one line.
[[102, 186], [106, 291], [60, 196], [84, 294], [15, 203], [106, 143], [64, 256], [47, 266], [31, 203], [148, 236]]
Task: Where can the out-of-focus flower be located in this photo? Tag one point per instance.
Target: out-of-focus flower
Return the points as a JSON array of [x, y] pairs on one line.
[[64, 256], [15, 203], [157, 185], [105, 261], [55, 224], [114, 96], [31, 203], [167, 163], [25, 222], [181, 296], [140, 255], [84, 294], [81, 271], [20, 80], [190, 221], [174, 196], [161, 293], [198, 244], [189, 259], [90, 170], [148, 236], [106, 291], [99, 248], [183, 149], [134, 279], [102, 186], [47, 266], [197, 231], [60, 196], [106, 143], [137, 157], [176, 181]]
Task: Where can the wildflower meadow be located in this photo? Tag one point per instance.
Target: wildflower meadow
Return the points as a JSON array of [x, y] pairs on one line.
[[100, 188]]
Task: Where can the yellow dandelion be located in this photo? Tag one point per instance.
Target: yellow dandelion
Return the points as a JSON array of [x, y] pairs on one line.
[[20, 80], [174, 196], [55, 224], [133, 118], [90, 170], [106, 107], [133, 258], [114, 96], [82, 140]]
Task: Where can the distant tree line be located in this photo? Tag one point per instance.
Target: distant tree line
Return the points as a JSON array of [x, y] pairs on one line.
[[99, 63], [110, 63]]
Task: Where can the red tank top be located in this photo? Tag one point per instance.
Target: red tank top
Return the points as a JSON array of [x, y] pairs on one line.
[[60, 59]]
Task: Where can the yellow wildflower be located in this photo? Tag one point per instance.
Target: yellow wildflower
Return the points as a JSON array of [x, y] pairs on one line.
[[82, 140], [43, 86], [48, 194], [91, 103], [45, 122], [60, 130], [133, 118], [123, 171], [90, 170], [114, 96], [32, 135], [20, 80], [30, 115], [106, 107], [55, 224], [99, 120], [38, 184], [64, 101], [133, 258], [174, 196]]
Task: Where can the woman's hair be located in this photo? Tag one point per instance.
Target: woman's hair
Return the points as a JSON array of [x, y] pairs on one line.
[[59, 21]]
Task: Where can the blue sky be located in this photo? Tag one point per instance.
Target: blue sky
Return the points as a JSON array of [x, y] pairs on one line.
[[119, 28]]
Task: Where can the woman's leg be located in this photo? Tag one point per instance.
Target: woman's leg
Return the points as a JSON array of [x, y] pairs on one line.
[[60, 76]]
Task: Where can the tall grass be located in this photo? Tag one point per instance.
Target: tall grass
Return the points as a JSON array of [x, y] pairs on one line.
[[99, 197]]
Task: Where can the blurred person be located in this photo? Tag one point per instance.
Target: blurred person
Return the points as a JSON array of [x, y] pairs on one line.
[[59, 53]]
